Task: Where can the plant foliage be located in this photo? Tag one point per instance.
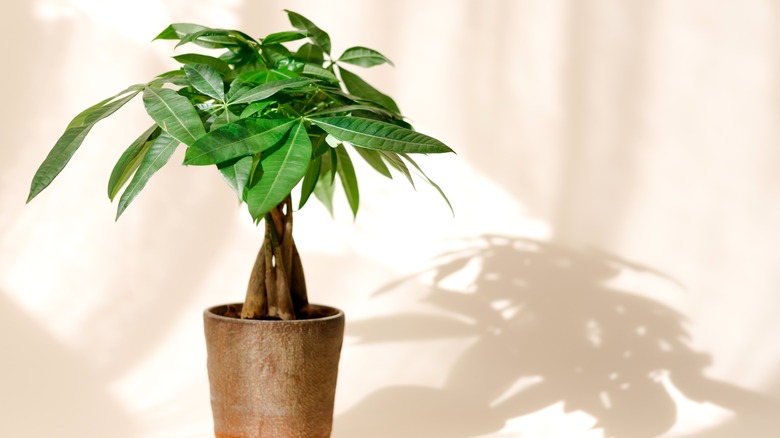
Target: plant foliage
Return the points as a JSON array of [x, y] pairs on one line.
[[255, 110], [270, 114]]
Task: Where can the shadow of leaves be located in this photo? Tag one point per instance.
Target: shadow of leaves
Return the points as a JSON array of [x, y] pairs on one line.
[[549, 328]]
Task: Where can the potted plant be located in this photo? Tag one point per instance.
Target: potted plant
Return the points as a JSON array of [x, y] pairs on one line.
[[270, 118]]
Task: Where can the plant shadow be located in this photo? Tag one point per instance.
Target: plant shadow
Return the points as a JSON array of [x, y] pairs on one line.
[[549, 328]]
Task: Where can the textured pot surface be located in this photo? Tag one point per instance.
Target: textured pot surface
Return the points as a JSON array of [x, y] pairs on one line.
[[273, 378]]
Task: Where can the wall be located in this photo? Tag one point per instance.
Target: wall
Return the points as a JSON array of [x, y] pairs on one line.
[[611, 270]]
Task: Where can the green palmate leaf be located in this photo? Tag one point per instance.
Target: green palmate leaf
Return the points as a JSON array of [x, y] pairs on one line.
[[398, 164], [243, 59], [283, 37], [324, 187], [373, 134], [236, 173], [218, 39], [311, 53], [318, 72], [323, 191], [374, 159], [195, 58], [58, 157], [430, 181], [206, 79], [244, 137], [348, 178], [317, 35], [255, 174], [73, 137], [174, 113], [329, 165], [178, 30], [253, 78], [319, 142], [110, 108], [130, 160], [274, 53], [351, 108], [255, 108], [158, 154], [175, 77], [362, 89], [290, 64], [309, 180], [283, 168], [224, 118], [105, 107], [364, 57], [240, 94]]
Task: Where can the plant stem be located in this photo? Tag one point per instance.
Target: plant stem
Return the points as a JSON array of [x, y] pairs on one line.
[[277, 287], [255, 303], [298, 293]]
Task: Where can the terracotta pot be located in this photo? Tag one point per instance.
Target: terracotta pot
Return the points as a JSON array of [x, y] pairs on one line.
[[273, 378]]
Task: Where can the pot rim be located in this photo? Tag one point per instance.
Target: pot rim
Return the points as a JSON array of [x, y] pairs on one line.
[[209, 313]]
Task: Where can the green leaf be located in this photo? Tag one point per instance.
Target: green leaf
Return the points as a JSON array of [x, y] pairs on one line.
[[195, 58], [255, 108], [274, 53], [236, 173], [318, 72], [364, 57], [244, 137], [309, 180], [373, 134], [218, 39], [360, 88], [374, 159], [206, 79], [58, 157], [319, 144], [243, 59], [283, 37], [257, 77], [255, 173], [73, 137], [430, 181], [350, 108], [324, 187], [290, 64], [174, 113], [317, 35], [283, 168], [178, 30], [111, 107], [130, 160], [348, 178], [159, 153], [224, 118], [175, 77], [105, 108], [240, 94], [398, 164], [329, 165], [310, 53]]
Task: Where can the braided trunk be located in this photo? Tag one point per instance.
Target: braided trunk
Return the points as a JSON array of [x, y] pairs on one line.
[[277, 288]]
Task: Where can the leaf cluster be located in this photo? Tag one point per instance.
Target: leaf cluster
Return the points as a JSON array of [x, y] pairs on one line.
[[270, 114]]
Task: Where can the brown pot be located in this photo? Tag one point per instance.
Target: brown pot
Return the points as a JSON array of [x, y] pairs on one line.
[[273, 378]]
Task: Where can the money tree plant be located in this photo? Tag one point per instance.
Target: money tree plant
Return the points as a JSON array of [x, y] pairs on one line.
[[271, 114]]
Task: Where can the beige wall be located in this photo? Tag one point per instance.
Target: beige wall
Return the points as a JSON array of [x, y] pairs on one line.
[[617, 248]]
